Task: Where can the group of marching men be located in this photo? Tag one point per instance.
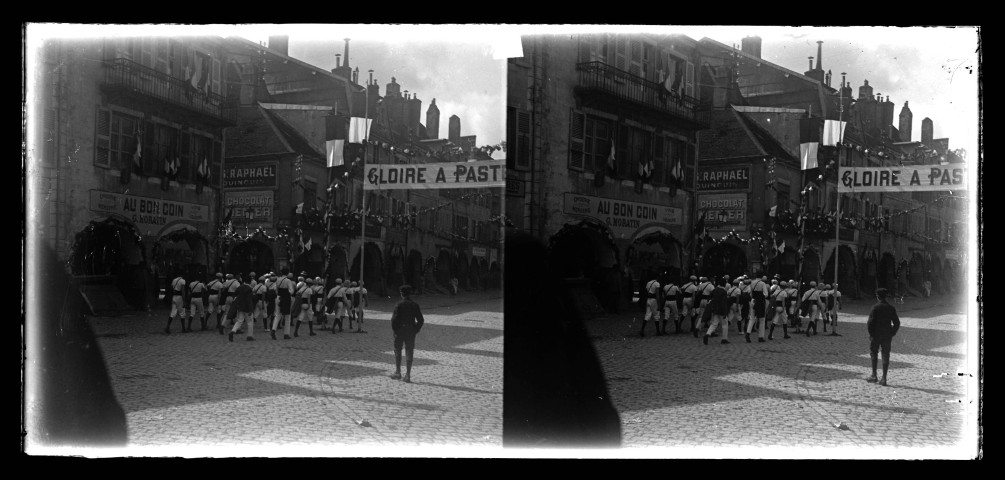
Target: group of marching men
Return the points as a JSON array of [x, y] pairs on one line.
[[279, 297], [721, 303]]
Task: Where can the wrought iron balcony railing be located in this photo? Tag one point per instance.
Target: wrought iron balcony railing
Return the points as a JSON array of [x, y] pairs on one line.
[[126, 74], [604, 78]]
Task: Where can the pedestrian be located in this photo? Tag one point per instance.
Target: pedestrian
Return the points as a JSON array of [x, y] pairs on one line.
[[406, 322], [333, 304], [318, 303], [305, 290], [815, 306], [453, 289], [718, 305], [348, 292], [778, 301], [284, 295], [792, 305], [825, 301], [835, 298], [197, 292], [345, 307], [759, 297], [733, 296], [258, 292], [243, 304], [270, 298], [227, 297], [701, 299], [671, 305], [688, 291], [215, 286], [652, 289], [807, 307], [359, 302], [882, 325], [744, 301], [177, 303]]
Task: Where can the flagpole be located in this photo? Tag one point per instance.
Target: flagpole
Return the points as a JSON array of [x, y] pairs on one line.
[[362, 228], [837, 207]]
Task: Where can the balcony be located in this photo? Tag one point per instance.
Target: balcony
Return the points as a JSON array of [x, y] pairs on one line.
[[125, 76], [603, 80]]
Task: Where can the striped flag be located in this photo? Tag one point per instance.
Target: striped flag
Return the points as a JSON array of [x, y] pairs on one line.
[[833, 132], [359, 129], [334, 152], [138, 153], [809, 142]]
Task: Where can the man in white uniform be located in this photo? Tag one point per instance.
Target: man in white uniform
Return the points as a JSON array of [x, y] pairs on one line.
[[671, 309], [359, 300], [215, 287], [759, 296], [652, 306], [177, 303], [333, 304], [284, 305], [778, 306], [688, 291], [197, 291]]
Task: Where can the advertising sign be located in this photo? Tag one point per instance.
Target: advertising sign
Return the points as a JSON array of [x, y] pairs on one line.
[[478, 174], [914, 178], [624, 218], [147, 212], [478, 252], [724, 178], [726, 211], [261, 204], [263, 175]]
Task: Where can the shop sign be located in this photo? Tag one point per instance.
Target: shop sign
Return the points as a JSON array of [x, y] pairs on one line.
[[624, 218], [250, 176], [725, 211], [261, 205], [147, 211], [724, 178]]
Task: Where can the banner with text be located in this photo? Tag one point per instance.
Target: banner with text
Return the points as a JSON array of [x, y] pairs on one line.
[[477, 174], [913, 178], [623, 217], [147, 212], [250, 176], [724, 178], [260, 204], [724, 211]]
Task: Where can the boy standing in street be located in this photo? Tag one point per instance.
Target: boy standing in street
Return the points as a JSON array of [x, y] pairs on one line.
[[406, 322], [883, 324]]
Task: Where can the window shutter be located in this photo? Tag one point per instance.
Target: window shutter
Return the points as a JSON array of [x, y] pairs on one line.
[[523, 140], [620, 53], [147, 52], [216, 76], [162, 56], [576, 139], [102, 140], [689, 77], [636, 58]]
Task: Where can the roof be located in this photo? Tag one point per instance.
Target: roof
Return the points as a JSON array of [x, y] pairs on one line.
[[296, 142], [728, 138]]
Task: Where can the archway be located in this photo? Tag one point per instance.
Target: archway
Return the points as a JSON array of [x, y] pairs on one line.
[[786, 265], [723, 258], [374, 266], [811, 267], [869, 273], [337, 265], [444, 268], [887, 276], [182, 251], [916, 272], [254, 256], [495, 275], [584, 254], [395, 267], [461, 266], [658, 251], [413, 268], [847, 273], [111, 252], [475, 275]]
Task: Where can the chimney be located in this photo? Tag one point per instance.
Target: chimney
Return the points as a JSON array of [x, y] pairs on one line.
[[454, 129], [828, 78], [346, 64], [927, 131], [865, 91], [811, 64], [393, 89], [906, 120], [820, 53], [338, 61], [751, 46], [280, 43], [433, 120]]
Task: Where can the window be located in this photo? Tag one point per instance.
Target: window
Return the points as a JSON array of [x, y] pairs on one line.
[[689, 161], [115, 138], [589, 141], [635, 67], [782, 194], [310, 194], [161, 144]]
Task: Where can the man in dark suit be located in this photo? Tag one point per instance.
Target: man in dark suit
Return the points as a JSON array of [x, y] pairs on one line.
[[406, 321], [883, 324]]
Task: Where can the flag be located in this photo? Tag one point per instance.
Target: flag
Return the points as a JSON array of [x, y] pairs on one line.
[[833, 132], [230, 214], [334, 150], [809, 141], [300, 207], [138, 153], [612, 166], [359, 129], [781, 247], [308, 245], [773, 211]]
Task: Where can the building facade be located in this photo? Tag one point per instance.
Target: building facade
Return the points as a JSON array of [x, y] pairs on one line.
[[127, 154], [602, 140]]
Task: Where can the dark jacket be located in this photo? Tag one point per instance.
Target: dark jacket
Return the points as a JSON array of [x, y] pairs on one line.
[[883, 321], [243, 300], [407, 318], [719, 303]]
